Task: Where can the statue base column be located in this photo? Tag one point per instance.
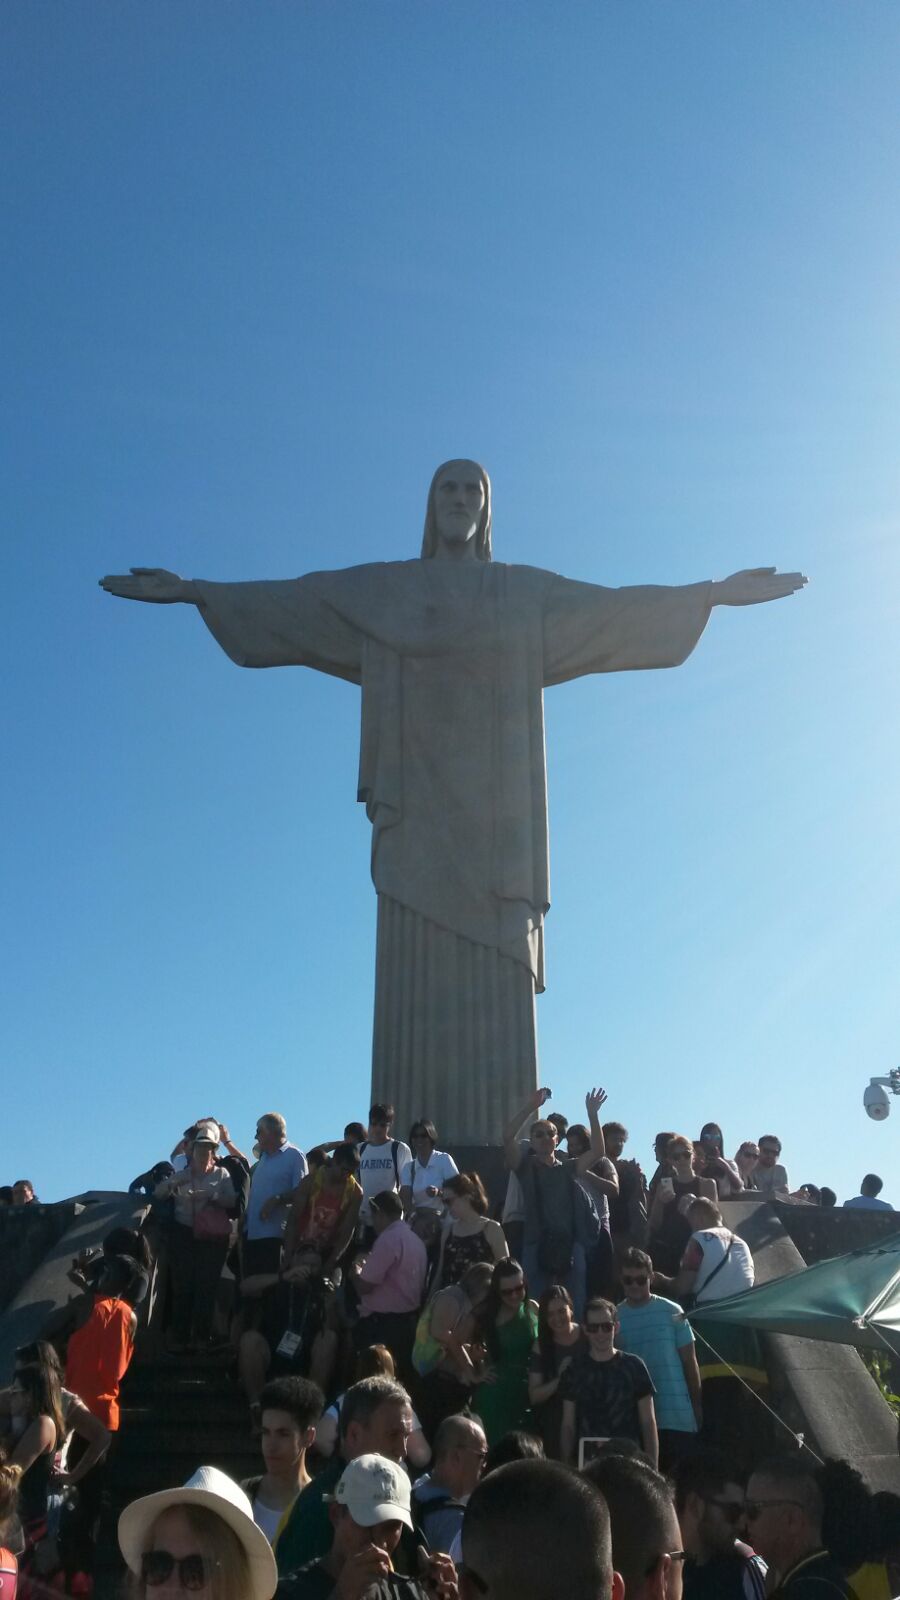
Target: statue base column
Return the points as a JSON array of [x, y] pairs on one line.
[[487, 1160], [454, 1039]]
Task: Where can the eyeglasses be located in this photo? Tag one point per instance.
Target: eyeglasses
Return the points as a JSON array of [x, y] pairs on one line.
[[599, 1327], [732, 1510], [195, 1572], [755, 1508], [633, 1278]]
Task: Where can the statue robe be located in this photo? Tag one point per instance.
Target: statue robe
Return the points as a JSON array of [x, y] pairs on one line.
[[452, 659]]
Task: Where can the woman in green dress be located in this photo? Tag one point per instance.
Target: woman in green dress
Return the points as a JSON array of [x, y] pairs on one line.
[[507, 1327]]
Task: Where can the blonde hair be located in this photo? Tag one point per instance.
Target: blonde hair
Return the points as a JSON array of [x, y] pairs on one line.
[[679, 1143], [231, 1578], [430, 537], [10, 1477]]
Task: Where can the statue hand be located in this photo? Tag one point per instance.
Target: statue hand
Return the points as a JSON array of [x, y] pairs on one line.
[[154, 584], [754, 585]]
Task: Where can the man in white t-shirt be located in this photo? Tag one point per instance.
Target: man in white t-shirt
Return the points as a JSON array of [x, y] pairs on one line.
[[867, 1199], [716, 1262], [381, 1159], [423, 1178]]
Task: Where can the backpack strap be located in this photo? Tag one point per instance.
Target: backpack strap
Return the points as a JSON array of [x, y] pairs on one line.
[[715, 1271]]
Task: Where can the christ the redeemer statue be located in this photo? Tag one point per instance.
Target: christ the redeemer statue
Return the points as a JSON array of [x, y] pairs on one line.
[[452, 653]]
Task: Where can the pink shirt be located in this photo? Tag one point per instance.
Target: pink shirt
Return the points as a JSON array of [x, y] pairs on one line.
[[396, 1265]]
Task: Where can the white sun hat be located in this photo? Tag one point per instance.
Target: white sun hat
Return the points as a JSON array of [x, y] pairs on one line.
[[213, 1489]]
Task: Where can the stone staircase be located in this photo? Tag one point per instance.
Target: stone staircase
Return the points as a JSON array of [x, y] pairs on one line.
[[177, 1415]]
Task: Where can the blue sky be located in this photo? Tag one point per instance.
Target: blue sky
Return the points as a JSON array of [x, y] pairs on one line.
[[266, 265]]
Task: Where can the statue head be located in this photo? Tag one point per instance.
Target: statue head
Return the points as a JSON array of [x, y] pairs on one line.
[[459, 509]]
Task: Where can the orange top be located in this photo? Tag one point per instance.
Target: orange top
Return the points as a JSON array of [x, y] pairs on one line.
[[98, 1357], [8, 1570]]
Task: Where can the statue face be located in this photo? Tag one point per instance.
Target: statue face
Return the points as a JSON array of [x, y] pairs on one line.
[[458, 502]]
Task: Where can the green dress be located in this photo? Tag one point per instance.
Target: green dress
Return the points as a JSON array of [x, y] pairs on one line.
[[503, 1406]]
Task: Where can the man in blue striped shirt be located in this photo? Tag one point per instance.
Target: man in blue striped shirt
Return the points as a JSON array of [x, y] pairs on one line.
[[654, 1329]]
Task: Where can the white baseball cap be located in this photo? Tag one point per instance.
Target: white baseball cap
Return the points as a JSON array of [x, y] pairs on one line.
[[374, 1490], [213, 1489]]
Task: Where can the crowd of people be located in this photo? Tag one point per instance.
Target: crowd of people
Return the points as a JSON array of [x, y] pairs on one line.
[[447, 1401]]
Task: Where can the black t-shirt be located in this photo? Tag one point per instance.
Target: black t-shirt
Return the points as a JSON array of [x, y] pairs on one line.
[[312, 1582], [606, 1395]]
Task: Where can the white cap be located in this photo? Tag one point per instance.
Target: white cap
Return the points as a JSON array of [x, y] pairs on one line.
[[213, 1489], [374, 1490]]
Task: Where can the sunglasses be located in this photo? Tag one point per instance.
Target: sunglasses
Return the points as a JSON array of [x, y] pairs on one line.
[[599, 1327], [769, 1150], [195, 1572], [732, 1510]]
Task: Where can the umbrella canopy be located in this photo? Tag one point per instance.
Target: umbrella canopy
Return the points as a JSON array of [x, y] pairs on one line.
[[852, 1299]]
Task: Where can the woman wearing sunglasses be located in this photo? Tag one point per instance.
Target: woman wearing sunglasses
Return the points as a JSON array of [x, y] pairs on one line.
[[200, 1539], [507, 1327], [559, 1336]]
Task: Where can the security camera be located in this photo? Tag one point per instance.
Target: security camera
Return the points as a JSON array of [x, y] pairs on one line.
[[877, 1101]]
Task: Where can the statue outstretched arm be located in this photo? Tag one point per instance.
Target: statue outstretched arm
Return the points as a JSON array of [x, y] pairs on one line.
[[755, 585], [289, 622], [153, 584], [589, 628]]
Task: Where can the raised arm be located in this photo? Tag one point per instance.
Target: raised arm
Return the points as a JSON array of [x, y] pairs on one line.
[[511, 1150], [593, 1100]]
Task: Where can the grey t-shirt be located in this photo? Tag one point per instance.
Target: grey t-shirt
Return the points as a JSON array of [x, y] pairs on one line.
[[768, 1179], [554, 1207]]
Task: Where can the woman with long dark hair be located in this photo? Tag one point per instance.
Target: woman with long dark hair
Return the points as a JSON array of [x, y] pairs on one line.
[[507, 1328], [559, 1336], [469, 1235], [42, 1414]]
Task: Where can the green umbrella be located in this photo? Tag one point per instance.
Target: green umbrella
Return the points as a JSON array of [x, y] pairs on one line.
[[853, 1299]]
